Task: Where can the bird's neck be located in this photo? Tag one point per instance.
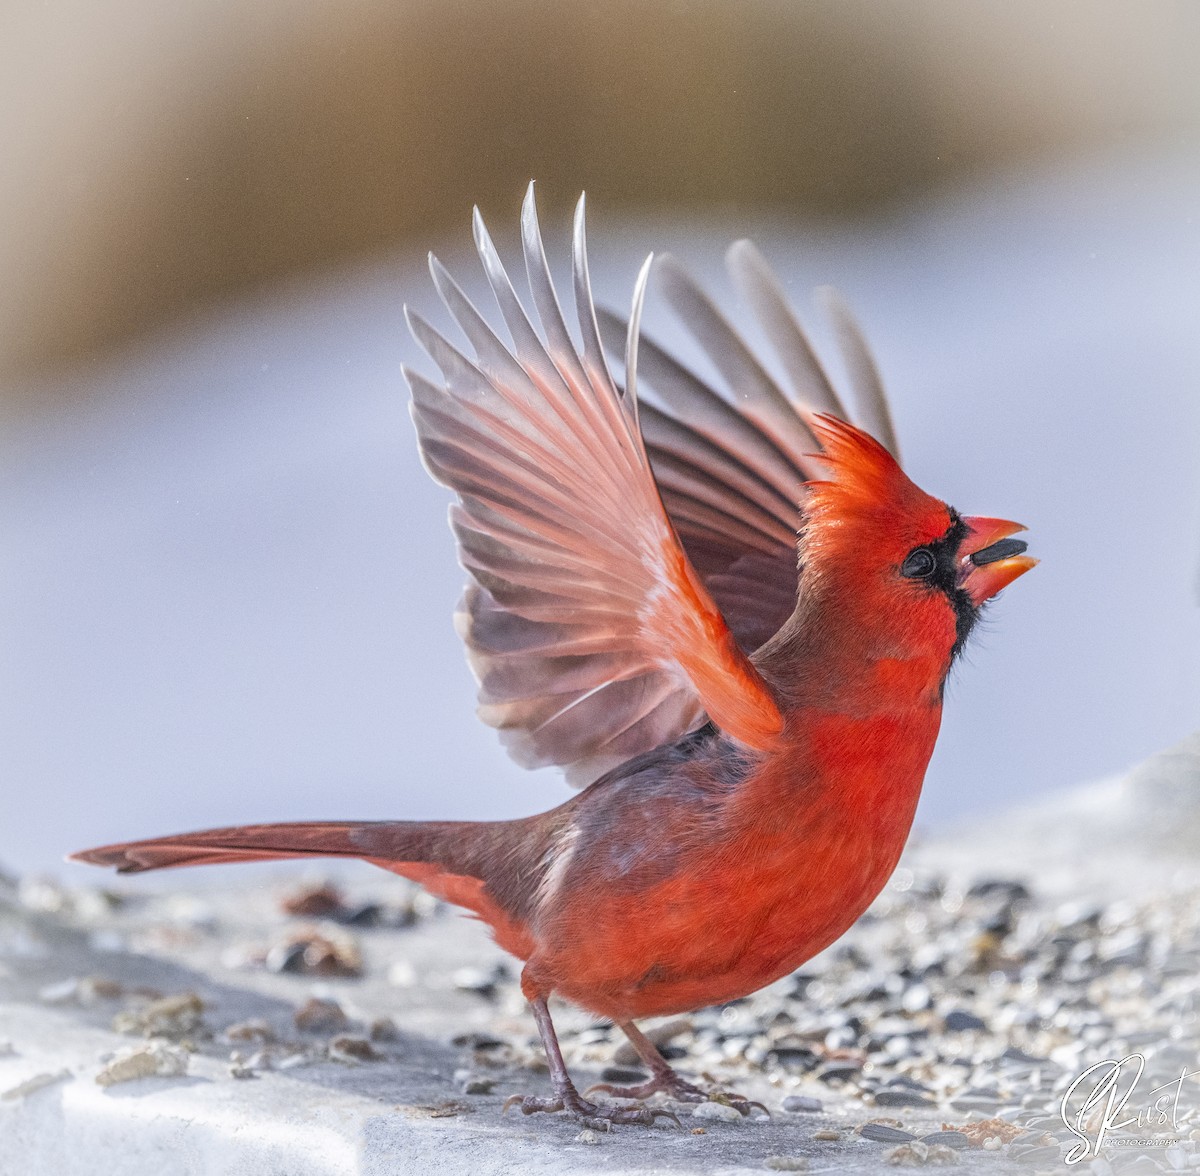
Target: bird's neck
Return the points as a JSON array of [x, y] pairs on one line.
[[836, 653]]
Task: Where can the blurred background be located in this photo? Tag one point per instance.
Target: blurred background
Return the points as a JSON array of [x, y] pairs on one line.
[[226, 586]]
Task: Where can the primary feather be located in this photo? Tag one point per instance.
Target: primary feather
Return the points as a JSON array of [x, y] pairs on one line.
[[592, 635]]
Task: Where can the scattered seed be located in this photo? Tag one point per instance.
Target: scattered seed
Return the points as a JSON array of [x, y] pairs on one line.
[[954, 1139], [174, 1017], [881, 1133], [157, 1059]]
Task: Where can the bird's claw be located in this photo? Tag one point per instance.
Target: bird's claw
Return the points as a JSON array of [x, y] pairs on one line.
[[590, 1114], [679, 1089], [673, 1087]]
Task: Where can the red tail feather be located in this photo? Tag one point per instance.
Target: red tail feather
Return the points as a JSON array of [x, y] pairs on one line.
[[477, 865], [247, 843]]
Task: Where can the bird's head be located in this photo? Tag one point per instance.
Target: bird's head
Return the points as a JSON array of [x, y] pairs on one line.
[[901, 564]]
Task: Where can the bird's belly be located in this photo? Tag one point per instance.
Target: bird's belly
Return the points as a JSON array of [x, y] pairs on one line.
[[702, 937], [663, 918]]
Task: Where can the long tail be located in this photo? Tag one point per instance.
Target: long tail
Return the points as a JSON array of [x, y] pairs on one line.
[[256, 843], [490, 867]]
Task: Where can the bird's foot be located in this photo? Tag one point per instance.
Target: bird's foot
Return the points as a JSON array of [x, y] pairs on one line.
[[600, 1117], [679, 1088]]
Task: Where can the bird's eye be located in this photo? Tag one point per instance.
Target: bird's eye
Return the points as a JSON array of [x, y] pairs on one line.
[[919, 564]]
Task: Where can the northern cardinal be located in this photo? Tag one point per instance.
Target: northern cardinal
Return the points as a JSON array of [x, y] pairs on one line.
[[755, 737]]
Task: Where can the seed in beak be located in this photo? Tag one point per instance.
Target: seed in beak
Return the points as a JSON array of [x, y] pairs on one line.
[[1002, 549]]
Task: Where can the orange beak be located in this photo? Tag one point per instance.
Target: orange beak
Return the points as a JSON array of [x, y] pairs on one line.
[[990, 559]]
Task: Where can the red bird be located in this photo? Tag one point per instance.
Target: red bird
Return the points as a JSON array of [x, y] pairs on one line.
[[755, 737]]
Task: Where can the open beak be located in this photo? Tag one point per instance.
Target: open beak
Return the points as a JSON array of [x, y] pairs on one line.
[[989, 559]]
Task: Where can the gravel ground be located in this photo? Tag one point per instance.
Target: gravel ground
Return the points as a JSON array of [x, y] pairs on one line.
[[943, 1029]]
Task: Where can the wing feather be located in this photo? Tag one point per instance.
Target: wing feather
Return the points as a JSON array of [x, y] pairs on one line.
[[592, 635], [758, 396], [761, 289], [874, 413]]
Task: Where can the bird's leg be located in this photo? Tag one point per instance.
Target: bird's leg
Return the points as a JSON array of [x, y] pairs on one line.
[[666, 1079], [566, 1097]]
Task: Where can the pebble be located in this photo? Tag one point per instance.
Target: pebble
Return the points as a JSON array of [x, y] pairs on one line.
[[658, 1035], [313, 953], [383, 1029], [901, 1098], [959, 1019], [802, 1104], [316, 900], [471, 1083], [477, 1041], [838, 1071], [320, 1016], [718, 1111], [61, 992], [482, 982], [249, 1067], [252, 1030], [622, 1075], [786, 1163], [794, 1057], [916, 999], [968, 1102]]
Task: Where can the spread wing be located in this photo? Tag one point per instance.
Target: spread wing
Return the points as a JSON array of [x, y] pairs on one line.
[[731, 466], [591, 633]]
